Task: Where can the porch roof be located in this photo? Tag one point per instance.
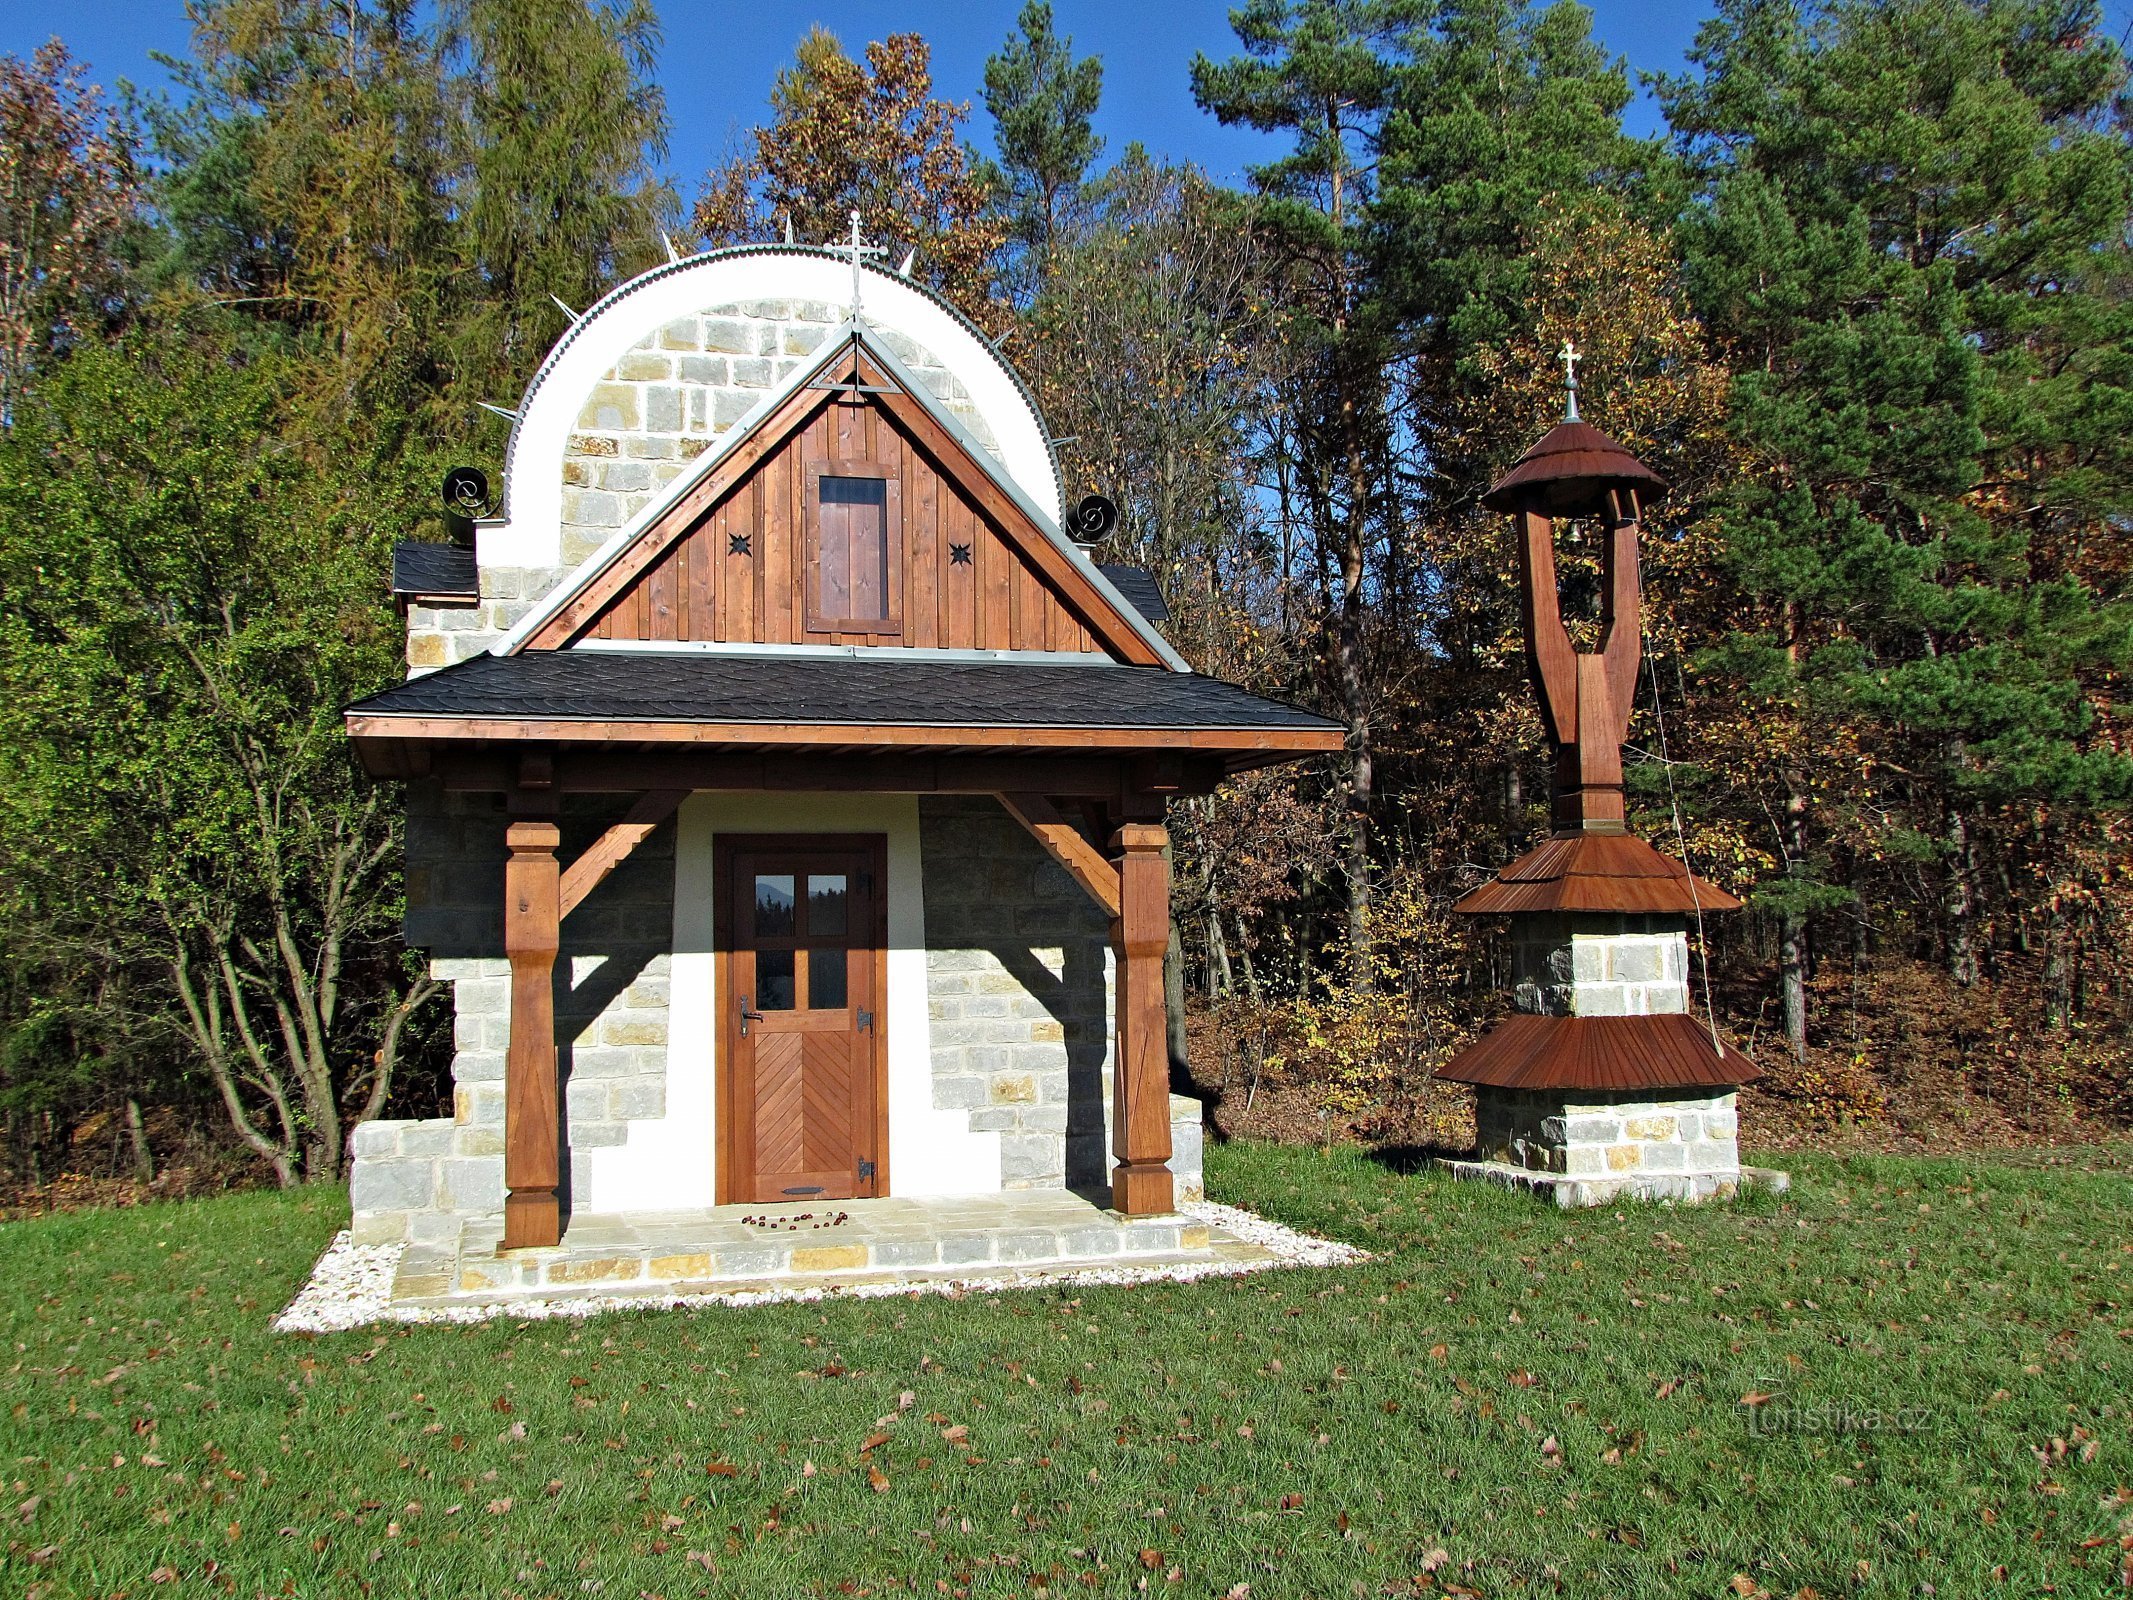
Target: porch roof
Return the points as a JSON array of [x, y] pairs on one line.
[[757, 699]]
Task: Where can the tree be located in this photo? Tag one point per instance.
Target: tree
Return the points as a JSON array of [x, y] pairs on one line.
[[1323, 72], [563, 126], [871, 138], [1042, 101], [69, 191], [1909, 220], [185, 605]]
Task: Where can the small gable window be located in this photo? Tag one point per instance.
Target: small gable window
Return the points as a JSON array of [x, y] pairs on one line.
[[854, 548]]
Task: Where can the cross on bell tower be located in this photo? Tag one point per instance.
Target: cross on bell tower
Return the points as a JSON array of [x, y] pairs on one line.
[[1570, 356]]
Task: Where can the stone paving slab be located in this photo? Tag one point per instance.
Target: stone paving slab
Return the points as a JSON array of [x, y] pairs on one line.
[[806, 1244]]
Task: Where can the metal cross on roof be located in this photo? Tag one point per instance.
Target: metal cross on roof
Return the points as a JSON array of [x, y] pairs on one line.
[[1570, 359], [858, 249]]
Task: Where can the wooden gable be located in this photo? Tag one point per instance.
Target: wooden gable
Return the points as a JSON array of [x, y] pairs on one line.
[[737, 558]]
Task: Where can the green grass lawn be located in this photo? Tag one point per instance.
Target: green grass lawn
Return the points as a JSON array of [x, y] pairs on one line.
[[1508, 1401]]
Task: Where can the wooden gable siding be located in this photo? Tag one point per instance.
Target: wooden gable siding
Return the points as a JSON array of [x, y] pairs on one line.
[[702, 588]]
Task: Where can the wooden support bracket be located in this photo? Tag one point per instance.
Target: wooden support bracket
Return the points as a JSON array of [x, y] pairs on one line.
[[1064, 843], [613, 847]]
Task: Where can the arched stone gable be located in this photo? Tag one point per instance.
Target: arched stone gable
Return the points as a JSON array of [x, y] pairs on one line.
[[659, 369]]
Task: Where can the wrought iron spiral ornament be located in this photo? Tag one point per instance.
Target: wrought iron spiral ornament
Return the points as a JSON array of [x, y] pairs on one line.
[[466, 493], [1092, 520]]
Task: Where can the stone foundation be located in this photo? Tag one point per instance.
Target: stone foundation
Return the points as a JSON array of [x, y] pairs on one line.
[[1611, 1145]]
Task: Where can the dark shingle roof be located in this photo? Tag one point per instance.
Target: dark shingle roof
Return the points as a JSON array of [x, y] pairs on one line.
[[435, 569], [704, 686], [1137, 585]]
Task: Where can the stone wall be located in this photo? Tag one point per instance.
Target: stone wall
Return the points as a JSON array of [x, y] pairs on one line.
[[611, 1015], [1018, 980], [1587, 965], [1018, 995], [656, 410], [1674, 1146]]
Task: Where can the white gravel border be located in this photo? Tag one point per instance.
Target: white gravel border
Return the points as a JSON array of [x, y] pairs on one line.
[[351, 1285]]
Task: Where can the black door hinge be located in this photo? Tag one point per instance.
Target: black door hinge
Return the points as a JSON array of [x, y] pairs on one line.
[[866, 1018], [866, 1167]]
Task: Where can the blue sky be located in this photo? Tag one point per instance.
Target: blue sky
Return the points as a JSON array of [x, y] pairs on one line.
[[719, 58]]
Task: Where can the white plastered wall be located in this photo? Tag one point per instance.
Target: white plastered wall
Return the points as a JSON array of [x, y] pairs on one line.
[[667, 1163]]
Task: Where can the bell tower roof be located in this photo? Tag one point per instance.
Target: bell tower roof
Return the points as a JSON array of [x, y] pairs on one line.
[[1570, 472]]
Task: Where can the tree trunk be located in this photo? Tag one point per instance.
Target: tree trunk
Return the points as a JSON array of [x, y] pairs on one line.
[[1793, 933], [1251, 973], [1514, 808], [1174, 992], [144, 1164], [1355, 705], [1961, 901]]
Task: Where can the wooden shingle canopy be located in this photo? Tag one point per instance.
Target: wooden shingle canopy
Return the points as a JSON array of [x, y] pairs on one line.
[[1574, 471], [1595, 872], [1599, 1053], [739, 635]]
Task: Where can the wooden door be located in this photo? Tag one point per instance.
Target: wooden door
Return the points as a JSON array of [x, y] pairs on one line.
[[803, 1101]]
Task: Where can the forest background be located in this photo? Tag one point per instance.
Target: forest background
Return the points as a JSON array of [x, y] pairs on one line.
[[1864, 303]]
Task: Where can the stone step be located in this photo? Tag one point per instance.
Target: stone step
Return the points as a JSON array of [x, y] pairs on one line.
[[721, 1252]]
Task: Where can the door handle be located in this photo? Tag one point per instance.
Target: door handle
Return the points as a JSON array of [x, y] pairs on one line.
[[748, 1015]]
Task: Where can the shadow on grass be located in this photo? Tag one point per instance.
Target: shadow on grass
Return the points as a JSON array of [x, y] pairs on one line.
[[1409, 1159]]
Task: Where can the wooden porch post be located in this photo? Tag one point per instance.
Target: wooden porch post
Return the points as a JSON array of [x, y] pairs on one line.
[[532, 919], [1140, 1182]]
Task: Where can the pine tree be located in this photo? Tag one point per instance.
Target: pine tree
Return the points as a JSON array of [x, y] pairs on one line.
[[1042, 100], [1910, 223]]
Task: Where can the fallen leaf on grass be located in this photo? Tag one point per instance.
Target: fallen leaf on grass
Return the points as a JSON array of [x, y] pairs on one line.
[[1754, 1397], [1436, 1558], [1668, 1388], [497, 1508], [956, 1434], [874, 1441], [1151, 1559], [722, 1469], [877, 1480]]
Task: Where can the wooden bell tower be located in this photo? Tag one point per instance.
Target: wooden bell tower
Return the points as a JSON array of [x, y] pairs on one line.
[[1601, 1083]]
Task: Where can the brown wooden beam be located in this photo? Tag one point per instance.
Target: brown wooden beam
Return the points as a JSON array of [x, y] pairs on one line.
[[532, 918], [1062, 841], [1140, 1181], [613, 847]]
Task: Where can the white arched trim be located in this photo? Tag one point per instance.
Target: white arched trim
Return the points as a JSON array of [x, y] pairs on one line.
[[529, 530]]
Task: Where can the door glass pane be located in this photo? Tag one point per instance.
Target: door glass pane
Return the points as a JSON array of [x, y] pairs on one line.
[[825, 905], [773, 980], [852, 548], [773, 903], [825, 980]]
